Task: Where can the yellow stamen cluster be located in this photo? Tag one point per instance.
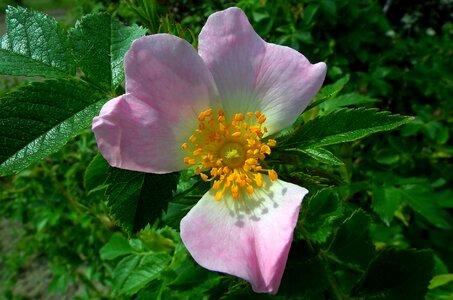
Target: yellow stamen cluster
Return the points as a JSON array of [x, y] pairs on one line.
[[228, 152]]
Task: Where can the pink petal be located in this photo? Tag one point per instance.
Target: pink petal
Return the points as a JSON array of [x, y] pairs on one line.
[[167, 86], [132, 135], [166, 72], [250, 237], [254, 75]]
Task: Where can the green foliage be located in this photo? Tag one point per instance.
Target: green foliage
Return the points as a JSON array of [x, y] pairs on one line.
[[352, 235], [39, 118], [99, 44], [156, 264], [56, 229], [34, 45], [320, 214], [343, 125], [137, 199], [37, 45], [328, 91], [370, 200]]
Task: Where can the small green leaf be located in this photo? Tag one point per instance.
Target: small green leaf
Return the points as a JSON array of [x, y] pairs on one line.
[[397, 275], [137, 199], [440, 280], [99, 44], [134, 272], [352, 243], [40, 118], [387, 156], [34, 45], [343, 125], [345, 100], [386, 200], [117, 246], [322, 155], [328, 92]]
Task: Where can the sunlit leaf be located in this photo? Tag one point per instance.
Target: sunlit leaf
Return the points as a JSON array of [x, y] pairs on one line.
[[34, 45], [343, 125], [39, 118], [99, 44]]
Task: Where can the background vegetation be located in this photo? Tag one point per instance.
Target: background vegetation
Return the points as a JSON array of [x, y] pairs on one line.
[[58, 236]]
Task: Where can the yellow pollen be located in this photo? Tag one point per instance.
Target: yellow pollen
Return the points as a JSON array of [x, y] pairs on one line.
[[228, 150]]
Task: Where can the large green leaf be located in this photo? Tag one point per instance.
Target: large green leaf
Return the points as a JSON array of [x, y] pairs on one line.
[[343, 125], [136, 198], [39, 118], [34, 45], [99, 44], [397, 275]]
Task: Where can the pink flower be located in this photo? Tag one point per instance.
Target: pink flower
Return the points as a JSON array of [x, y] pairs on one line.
[[212, 111]]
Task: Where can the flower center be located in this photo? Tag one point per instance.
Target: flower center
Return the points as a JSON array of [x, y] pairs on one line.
[[229, 152], [232, 154]]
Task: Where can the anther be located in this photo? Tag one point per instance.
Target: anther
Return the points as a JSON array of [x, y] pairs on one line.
[[272, 174]]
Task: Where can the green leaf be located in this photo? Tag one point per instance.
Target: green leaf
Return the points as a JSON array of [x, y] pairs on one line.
[[328, 92], [352, 243], [386, 200], [134, 272], [34, 45], [440, 280], [137, 199], [96, 174], [387, 156], [422, 201], [345, 100], [100, 43], [319, 215], [329, 7], [397, 275], [322, 155], [341, 126], [117, 246], [40, 118]]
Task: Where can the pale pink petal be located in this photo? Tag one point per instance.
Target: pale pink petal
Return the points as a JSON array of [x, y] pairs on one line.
[[251, 74], [132, 135], [166, 72], [249, 237], [167, 86]]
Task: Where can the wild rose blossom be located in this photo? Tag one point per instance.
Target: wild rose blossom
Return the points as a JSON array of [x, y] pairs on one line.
[[213, 111]]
